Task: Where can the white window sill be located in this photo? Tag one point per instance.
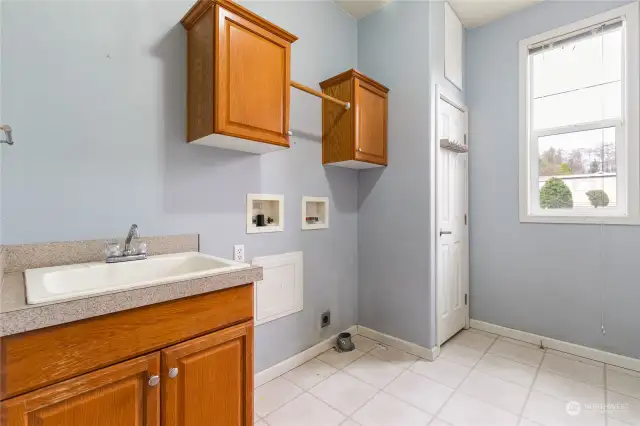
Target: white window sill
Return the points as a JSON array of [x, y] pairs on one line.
[[581, 220]]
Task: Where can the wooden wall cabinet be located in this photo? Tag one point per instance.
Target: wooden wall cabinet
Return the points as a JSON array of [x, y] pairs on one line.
[[238, 78], [206, 380], [354, 138]]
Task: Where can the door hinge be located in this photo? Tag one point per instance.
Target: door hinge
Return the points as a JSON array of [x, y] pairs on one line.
[[465, 139], [465, 299], [465, 219]]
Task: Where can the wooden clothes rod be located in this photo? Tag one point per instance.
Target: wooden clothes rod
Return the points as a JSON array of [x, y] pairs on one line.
[[313, 92]]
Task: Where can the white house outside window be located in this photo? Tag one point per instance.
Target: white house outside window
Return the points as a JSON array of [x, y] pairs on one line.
[[579, 116]]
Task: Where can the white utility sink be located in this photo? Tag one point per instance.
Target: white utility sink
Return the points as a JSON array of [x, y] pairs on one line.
[[69, 281]]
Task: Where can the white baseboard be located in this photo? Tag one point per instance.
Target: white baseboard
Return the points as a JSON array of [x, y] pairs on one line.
[[559, 345], [290, 363], [428, 353]]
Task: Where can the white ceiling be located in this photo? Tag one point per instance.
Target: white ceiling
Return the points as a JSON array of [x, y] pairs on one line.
[[361, 8], [472, 13]]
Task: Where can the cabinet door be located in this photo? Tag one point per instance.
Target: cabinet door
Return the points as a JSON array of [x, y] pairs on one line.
[[252, 81], [117, 395], [371, 124], [214, 381]]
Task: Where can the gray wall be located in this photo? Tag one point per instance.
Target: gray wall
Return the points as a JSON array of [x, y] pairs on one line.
[[393, 235], [540, 278], [96, 96]]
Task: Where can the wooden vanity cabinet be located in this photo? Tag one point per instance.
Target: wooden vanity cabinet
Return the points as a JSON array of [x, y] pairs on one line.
[[238, 78], [354, 138], [186, 377]]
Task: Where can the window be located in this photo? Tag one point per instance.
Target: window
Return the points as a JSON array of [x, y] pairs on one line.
[[579, 116]]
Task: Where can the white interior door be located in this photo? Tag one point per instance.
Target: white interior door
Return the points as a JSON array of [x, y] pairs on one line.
[[452, 253]]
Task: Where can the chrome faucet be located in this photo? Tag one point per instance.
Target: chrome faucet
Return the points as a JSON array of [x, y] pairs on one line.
[[128, 253], [133, 233]]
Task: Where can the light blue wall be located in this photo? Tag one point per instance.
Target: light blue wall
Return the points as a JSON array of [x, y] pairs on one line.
[[95, 92], [540, 278], [402, 46], [393, 235]]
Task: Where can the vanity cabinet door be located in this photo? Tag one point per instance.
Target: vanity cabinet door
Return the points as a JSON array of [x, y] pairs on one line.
[[209, 380], [122, 394]]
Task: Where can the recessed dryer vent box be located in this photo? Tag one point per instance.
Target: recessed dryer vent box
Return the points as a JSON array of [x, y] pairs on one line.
[[265, 213], [315, 213]]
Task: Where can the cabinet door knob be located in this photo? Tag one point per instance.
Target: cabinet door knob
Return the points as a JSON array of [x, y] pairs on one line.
[[290, 133], [359, 149], [154, 380], [173, 372]]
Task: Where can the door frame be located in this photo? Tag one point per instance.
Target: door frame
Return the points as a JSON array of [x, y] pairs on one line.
[[435, 163]]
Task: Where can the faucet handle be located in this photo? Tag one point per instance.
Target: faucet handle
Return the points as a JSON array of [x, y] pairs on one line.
[[140, 247], [112, 249]]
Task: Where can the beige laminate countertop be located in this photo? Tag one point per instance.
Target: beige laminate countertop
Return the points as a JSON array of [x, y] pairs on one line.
[[16, 316]]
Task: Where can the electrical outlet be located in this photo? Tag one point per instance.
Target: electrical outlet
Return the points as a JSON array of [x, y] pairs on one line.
[[325, 319], [238, 253]]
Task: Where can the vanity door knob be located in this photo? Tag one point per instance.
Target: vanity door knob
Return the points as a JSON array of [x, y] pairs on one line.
[[173, 372], [154, 380]]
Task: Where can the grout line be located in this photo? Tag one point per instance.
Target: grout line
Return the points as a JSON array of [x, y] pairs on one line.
[[573, 378], [306, 390], [535, 378], [404, 368], [347, 417], [408, 368], [455, 390], [350, 417]]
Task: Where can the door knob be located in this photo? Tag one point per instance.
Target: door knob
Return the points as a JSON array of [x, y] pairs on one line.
[[444, 232], [154, 380], [290, 133], [173, 372]]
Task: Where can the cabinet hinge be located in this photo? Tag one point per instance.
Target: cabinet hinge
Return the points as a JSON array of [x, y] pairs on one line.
[[465, 299], [465, 219], [465, 139]]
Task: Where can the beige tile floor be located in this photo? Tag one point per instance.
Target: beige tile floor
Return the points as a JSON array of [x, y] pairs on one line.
[[478, 380]]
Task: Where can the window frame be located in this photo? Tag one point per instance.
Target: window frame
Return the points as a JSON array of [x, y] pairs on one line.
[[627, 210]]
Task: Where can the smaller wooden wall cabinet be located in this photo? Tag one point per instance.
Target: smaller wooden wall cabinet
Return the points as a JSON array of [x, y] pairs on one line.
[[355, 138], [238, 78]]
